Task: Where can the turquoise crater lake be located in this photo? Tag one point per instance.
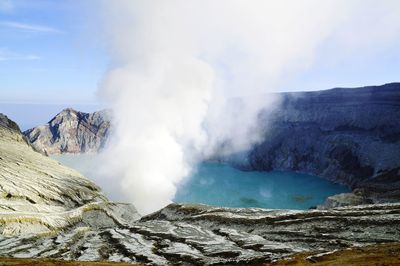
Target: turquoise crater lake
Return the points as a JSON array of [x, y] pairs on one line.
[[224, 186]]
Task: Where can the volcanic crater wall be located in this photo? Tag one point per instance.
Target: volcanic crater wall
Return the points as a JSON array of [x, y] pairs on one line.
[[349, 136]]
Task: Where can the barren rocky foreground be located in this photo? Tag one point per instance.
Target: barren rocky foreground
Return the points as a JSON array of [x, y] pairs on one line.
[[50, 211], [201, 235], [380, 254]]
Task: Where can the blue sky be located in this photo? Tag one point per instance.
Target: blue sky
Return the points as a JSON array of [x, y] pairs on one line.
[[47, 54], [51, 53]]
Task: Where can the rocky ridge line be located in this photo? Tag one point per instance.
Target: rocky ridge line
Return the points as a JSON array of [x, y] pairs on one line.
[[71, 131]]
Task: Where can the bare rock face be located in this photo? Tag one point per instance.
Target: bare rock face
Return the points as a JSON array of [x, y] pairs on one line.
[[345, 199], [50, 211], [7, 123], [202, 235], [71, 131], [38, 195], [347, 135]]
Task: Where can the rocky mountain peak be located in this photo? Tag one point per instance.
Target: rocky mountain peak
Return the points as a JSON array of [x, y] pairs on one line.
[[68, 112], [71, 131]]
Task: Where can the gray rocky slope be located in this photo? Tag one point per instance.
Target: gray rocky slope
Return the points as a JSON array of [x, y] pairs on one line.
[[71, 131], [201, 235], [38, 195], [50, 211]]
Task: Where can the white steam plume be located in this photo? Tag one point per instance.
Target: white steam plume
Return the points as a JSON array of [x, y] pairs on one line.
[[175, 65]]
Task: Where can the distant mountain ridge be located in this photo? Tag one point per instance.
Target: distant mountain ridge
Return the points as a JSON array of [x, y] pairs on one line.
[[72, 131]]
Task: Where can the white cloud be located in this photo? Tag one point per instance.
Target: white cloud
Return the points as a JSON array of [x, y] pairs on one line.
[[11, 56], [29, 27]]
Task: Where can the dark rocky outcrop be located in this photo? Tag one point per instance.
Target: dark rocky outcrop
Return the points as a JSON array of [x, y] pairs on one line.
[[5, 122], [349, 136], [71, 131]]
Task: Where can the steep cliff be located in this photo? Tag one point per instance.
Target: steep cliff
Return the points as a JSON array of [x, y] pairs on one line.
[[71, 131], [349, 136]]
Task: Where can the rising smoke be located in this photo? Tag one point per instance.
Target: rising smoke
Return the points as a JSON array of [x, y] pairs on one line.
[[177, 66]]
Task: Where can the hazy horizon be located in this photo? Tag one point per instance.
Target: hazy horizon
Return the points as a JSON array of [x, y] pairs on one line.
[[40, 113], [29, 115]]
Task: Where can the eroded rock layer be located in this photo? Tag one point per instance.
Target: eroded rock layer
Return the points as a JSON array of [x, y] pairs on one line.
[[201, 235]]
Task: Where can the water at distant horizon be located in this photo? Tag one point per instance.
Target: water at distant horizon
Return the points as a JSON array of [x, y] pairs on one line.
[[224, 186]]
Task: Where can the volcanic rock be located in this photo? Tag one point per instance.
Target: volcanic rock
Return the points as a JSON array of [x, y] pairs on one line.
[[71, 131]]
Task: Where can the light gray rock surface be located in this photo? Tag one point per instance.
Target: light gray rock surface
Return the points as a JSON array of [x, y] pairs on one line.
[[202, 235], [38, 195], [50, 211], [356, 197], [71, 131]]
